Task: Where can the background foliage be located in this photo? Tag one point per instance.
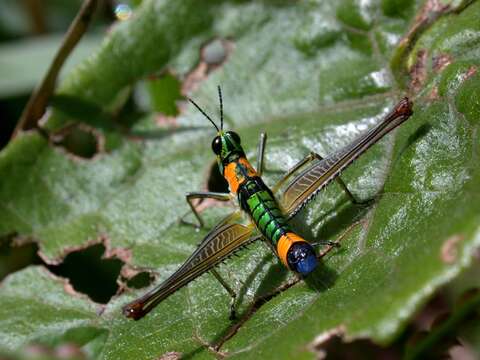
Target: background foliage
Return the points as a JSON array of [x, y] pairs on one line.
[[123, 147]]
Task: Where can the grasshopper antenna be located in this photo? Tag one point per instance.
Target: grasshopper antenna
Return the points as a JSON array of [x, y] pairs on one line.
[[221, 107], [204, 113]]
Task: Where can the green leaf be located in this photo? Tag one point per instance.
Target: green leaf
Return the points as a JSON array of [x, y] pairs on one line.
[[313, 75]]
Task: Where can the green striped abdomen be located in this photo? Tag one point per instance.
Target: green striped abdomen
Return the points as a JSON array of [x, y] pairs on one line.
[[255, 198], [267, 216]]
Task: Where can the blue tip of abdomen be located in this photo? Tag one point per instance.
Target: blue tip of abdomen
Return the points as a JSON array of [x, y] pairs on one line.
[[307, 265], [302, 258]]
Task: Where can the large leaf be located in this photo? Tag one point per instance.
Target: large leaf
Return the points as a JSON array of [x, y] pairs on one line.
[[313, 75]]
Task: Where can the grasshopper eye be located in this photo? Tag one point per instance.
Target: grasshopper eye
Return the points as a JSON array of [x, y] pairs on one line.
[[234, 136], [217, 145]]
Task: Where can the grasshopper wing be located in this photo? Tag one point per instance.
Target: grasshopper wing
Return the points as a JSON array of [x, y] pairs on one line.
[[308, 182], [306, 185], [227, 237]]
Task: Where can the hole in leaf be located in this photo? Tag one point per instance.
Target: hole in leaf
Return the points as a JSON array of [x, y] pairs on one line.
[[80, 142], [212, 56], [10, 110], [91, 274], [141, 280], [215, 52], [16, 257], [86, 270], [216, 182], [336, 348], [160, 94]]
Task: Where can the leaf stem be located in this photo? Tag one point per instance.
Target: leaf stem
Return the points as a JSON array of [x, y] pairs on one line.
[[37, 103]]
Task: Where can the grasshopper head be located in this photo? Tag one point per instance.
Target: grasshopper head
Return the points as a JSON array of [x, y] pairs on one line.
[[226, 145]]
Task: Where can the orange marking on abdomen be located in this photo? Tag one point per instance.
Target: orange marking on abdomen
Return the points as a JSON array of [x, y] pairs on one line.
[[284, 244], [235, 176]]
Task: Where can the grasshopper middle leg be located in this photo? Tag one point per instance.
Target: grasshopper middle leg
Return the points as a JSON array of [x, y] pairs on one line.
[[202, 195]]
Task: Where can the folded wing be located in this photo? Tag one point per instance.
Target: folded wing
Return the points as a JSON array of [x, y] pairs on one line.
[[221, 242], [319, 173]]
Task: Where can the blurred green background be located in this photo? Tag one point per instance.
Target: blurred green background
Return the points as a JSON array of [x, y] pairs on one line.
[[343, 54], [30, 33]]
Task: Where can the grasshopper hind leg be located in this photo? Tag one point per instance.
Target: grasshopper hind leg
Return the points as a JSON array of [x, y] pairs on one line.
[[262, 142], [330, 245], [326, 243], [231, 292], [349, 194]]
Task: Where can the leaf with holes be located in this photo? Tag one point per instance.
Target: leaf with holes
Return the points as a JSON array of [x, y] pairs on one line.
[[313, 75]]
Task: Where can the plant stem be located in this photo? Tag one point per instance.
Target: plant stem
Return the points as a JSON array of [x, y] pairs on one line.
[[38, 101]]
